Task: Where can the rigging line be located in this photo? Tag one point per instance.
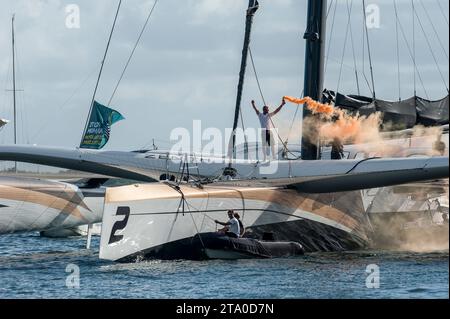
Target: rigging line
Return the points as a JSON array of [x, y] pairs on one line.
[[434, 29], [442, 11], [63, 105], [414, 41], [3, 103], [293, 121], [331, 36], [132, 52], [243, 130], [432, 51], [262, 95], [411, 54], [398, 60], [329, 8], [185, 204], [256, 75], [368, 50], [345, 44], [364, 55], [193, 221], [22, 97], [101, 67], [354, 56]]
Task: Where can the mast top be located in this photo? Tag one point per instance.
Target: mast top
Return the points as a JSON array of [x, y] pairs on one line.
[[253, 6]]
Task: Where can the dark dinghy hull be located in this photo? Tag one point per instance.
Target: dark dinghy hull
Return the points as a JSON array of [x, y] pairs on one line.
[[218, 246], [213, 245]]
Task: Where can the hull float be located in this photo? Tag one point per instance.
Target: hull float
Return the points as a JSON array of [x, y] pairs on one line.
[[158, 221]]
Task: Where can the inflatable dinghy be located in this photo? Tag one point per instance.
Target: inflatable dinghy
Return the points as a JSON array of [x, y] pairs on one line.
[[220, 246]]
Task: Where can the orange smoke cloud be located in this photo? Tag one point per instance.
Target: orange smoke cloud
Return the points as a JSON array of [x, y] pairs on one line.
[[352, 128], [338, 123], [361, 130], [314, 106]]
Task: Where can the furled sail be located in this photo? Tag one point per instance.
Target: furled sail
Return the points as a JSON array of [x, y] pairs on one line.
[[396, 115]]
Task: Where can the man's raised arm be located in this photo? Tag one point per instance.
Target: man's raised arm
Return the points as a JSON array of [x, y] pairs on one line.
[[283, 102], [254, 107]]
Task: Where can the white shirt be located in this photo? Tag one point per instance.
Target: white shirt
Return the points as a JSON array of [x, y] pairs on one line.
[[265, 121], [234, 226]]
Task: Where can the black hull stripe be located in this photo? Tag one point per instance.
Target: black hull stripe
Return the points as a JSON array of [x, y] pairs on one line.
[[313, 236], [224, 210]]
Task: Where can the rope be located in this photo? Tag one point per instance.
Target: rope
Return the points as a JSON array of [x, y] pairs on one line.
[[431, 50], [64, 104], [411, 53], [331, 36], [262, 97], [345, 45], [442, 11], [368, 50], [101, 67], [256, 76], [329, 8], [398, 60], [196, 228], [354, 56], [434, 29], [414, 40], [364, 56], [243, 129], [184, 203], [132, 52], [293, 121]]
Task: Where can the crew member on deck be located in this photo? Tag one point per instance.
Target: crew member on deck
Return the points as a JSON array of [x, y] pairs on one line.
[[439, 146], [337, 149], [241, 225], [231, 228], [265, 118]]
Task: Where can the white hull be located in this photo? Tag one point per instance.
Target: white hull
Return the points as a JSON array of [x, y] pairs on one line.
[[28, 204], [152, 220]]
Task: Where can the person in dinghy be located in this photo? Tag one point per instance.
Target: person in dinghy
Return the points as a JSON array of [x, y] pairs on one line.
[[231, 227]]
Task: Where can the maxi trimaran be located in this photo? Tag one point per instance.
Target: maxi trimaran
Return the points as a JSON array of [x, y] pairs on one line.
[[315, 203]]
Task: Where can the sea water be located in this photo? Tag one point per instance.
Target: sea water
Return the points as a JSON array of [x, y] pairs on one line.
[[36, 267]]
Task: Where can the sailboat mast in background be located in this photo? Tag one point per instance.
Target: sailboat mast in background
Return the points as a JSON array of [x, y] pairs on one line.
[[14, 85]]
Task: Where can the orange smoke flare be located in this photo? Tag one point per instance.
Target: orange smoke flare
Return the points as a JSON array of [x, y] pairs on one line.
[[313, 106]]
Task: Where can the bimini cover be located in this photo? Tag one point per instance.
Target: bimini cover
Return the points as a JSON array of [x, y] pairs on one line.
[[396, 115]]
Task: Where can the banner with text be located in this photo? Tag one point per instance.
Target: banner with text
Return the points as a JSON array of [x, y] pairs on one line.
[[99, 127]]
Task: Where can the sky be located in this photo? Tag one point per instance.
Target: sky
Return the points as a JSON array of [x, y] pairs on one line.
[[187, 63]]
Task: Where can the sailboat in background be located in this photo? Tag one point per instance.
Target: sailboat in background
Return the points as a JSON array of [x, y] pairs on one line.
[[55, 208]]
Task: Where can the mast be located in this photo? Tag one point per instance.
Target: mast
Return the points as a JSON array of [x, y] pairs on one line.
[[252, 8], [314, 67], [14, 86]]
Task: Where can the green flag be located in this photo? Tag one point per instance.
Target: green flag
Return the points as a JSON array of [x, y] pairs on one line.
[[98, 130]]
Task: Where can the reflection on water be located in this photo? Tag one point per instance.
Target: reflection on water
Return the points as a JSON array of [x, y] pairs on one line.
[[35, 267]]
